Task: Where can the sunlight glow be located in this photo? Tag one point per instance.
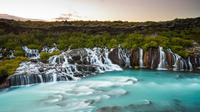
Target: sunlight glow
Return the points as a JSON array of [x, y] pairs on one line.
[[127, 10]]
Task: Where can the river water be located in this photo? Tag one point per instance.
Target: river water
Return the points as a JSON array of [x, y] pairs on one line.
[[122, 91]]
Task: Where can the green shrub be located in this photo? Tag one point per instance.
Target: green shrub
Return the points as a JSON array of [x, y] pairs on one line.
[[181, 41], [44, 56], [112, 43], [180, 50], [33, 46], [19, 53], [151, 44], [9, 66], [183, 53]]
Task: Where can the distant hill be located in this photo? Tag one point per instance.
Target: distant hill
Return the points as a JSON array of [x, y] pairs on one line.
[[16, 18], [98, 27]]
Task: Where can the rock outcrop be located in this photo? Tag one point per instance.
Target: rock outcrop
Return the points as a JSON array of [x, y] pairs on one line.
[[120, 57]]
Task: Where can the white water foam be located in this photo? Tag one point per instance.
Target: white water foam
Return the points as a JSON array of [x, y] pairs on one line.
[[141, 58], [162, 60]]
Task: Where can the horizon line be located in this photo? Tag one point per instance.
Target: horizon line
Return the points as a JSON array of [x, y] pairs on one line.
[[89, 20]]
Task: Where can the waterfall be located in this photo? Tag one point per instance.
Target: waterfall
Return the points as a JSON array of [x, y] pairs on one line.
[[162, 60], [175, 65], [54, 77], [76, 63], [8, 53], [66, 66], [184, 64], [109, 63], [41, 79], [62, 65], [141, 58], [95, 57], [124, 55], [190, 65], [180, 63], [31, 53], [52, 60], [49, 50]]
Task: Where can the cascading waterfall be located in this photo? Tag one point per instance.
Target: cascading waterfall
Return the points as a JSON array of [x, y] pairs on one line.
[[54, 77], [63, 67], [49, 50], [190, 65], [124, 55], [181, 64], [41, 79], [162, 61], [141, 58], [108, 62], [31, 53], [95, 57], [178, 62], [8, 53], [176, 59], [76, 63]]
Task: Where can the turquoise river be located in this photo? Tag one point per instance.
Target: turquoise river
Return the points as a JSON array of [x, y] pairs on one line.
[[121, 91]]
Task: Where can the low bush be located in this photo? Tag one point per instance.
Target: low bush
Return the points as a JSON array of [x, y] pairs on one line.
[[44, 56], [8, 67]]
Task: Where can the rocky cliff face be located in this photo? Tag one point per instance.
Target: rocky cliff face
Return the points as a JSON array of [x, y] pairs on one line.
[[76, 63], [120, 57], [154, 58], [164, 59]]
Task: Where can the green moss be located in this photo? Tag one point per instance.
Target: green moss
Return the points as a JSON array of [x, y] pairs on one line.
[[9, 66], [180, 50], [44, 56], [19, 53], [183, 53], [33, 46]]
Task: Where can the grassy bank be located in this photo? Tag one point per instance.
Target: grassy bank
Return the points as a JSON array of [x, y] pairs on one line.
[[8, 67]]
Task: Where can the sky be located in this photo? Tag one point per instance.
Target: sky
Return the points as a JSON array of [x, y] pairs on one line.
[[112, 10]]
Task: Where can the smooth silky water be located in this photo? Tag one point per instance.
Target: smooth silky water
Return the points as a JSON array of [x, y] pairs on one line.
[[123, 91]]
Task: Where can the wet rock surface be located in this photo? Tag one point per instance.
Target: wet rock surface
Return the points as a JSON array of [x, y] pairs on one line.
[[120, 57]]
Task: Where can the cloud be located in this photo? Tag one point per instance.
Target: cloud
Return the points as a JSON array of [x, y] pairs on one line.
[[68, 17]]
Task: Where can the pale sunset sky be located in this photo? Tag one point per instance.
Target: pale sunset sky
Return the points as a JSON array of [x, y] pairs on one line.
[[126, 10]]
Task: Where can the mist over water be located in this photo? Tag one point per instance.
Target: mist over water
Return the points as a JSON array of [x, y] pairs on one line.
[[122, 91]]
